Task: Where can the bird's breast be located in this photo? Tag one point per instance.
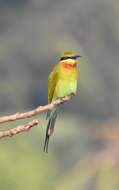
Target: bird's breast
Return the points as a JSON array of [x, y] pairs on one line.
[[68, 72]]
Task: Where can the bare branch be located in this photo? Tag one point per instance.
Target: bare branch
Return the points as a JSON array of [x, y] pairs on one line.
[[36, 111], [18, 129]]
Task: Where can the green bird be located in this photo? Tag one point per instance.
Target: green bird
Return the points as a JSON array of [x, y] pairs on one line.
[[62, 81]]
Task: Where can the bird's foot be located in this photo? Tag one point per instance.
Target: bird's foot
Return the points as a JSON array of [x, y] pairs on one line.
[[72, 94]]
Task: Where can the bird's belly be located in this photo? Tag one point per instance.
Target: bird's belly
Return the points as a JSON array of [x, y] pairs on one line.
[[64, 88]]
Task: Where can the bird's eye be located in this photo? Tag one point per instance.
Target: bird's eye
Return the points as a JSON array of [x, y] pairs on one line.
[[64, 58]]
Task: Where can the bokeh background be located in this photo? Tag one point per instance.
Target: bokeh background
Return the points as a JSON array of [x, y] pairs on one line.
[[84, 153]]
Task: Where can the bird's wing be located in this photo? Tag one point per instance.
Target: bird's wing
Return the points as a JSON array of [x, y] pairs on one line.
[[52, 81]]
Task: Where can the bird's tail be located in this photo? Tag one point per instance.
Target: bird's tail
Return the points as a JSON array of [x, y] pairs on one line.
[[52, 115]]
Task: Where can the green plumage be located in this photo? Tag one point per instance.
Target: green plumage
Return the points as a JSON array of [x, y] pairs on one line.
[[61, 82]]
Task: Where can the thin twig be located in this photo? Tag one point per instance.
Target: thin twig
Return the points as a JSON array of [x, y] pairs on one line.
[[18, 129], [36, 111]]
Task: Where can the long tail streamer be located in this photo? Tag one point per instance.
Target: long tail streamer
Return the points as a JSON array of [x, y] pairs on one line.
[[52, 115]]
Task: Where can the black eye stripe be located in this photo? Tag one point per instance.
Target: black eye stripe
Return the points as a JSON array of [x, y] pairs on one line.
[[64, 58]]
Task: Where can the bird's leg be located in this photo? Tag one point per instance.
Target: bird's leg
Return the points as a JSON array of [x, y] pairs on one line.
[[72, 94]]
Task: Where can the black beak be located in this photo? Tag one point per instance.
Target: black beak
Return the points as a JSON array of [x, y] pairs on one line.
[[78, 57]]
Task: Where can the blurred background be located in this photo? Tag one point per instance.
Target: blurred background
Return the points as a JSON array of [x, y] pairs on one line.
[[84, 150]]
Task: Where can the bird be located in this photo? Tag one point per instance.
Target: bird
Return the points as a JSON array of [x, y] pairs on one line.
[[62, 81]]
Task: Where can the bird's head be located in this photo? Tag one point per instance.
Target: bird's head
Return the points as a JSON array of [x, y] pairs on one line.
[[70, 57]]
